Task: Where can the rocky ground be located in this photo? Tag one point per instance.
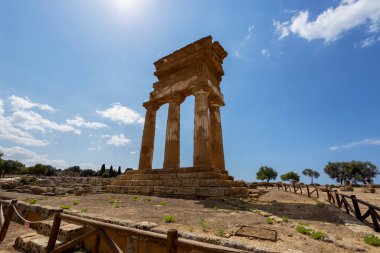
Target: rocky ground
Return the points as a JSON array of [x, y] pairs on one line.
[[218, 219]]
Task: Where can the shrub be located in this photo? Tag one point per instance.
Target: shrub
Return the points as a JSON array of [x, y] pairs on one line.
[[304, 230], [285, 218], [269, 221], [33, 201], [372, 240], [317, 235], [320, 204], [169, 218], [163, 203], [65, 207], [76, 202]]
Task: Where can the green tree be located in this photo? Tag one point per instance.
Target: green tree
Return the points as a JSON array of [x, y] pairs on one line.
[[266, 173], [87, 173], [290, 176], [10, 167], [38, 170], [354, 171], [51, 171], [112, 173], [336, 171], [119, 170], [311, 173], [102, 170]]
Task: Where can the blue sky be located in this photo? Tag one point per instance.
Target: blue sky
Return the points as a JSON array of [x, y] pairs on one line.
[[301, 81]]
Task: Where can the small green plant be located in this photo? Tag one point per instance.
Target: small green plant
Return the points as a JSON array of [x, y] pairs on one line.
[[317, 235], [163, 203], [117, 205], [285, 218], [75, 203], [269, 221], [372, 240], [83, 210], [304, 230], [220, 230], [203, 224], [169, 218], [320, 204], [135, 198], [65, 207], [113, 201], [148, 199], [216, 208], [33, 201]]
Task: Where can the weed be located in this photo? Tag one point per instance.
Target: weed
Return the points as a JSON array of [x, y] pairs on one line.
[[76, 202], [220, 230], [216, 208], [320, 204], [169, 218], [163, 203], [33, 201], [285, 218], [135, 198], [269, 221], [317, 235], [148, 199], [117, 205], [202, 223], [304, 230], [113, 201], [65, 207], [83, 210], [372, 240]]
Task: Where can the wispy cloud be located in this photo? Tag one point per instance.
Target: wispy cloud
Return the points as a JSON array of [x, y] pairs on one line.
[[369, 42], [80, 122], [118, 140], [122, 114], [265, 52], [29, 157], [19, 103], [236, 54], [250, 31], [357, 144], [331, 24]]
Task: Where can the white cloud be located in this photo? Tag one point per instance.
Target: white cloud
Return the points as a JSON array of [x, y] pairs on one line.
[[80, 122], [30, 120], [122, 114], [265, 52], [369, 42], [133, 152], [118, 140], [250, 31], [19, 103], [236, 54], [29, 157], [333, 22], [357, 143], [1, 107]]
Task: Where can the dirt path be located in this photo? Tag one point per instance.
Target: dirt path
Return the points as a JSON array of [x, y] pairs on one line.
[[222, 217]]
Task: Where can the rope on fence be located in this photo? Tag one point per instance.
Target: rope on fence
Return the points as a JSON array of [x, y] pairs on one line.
[[28, 221]]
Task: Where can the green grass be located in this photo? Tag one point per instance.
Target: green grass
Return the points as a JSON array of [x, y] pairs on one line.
[[33, 201], [285, 218], [220, 230], [320, 204], [117, 205], [163, 203], [148, 199], [203, 224], [269, 221], [304, 230], [65, 207], [317, 235], [83, 210], [372, 240], [113, 201], [135, 198], [169, 218], [75, 203]]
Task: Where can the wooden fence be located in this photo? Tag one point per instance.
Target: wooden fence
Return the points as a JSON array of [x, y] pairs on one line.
[[349, 203]]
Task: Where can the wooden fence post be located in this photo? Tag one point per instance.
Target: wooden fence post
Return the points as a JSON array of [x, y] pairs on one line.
[[317, 192], [54, 231], [308, 191], [294, 188], [356, 207], [172, 242], [7, 220], [337, 199]]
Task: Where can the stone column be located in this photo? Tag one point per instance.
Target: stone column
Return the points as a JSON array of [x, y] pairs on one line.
[[201, 156], [172, 141], [217, 152], [147, 143]]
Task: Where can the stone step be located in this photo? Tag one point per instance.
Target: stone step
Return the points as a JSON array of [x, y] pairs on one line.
[[67, 231], [33, 243]]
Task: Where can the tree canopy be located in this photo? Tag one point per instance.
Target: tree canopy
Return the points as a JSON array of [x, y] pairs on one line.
[[266, 173], [353, 172], [290, 176], [311, 173]]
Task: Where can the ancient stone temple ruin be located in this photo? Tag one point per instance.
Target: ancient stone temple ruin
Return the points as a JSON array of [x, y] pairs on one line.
[[194, 70]]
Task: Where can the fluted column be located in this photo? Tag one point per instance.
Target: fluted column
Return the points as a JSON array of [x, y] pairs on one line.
[[201, 156], [147, 143], [217, 151], [172, 141]]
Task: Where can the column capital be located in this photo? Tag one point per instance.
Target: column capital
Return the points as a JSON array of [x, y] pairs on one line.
[[176, 97], [217, 104], [153, 105], [199, 90]]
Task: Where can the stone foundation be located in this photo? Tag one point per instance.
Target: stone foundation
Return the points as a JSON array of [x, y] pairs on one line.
[[184, 182]]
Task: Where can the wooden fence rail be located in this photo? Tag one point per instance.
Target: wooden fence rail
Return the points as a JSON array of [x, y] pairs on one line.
[[349, 203]]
